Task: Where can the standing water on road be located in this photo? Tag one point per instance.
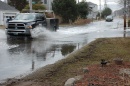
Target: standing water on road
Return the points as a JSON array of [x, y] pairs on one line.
[[20, 56]]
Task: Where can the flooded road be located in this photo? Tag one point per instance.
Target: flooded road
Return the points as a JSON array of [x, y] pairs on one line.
[[20, 55]]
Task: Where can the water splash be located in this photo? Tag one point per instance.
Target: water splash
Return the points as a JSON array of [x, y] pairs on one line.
[[40, 33], [70, 31]]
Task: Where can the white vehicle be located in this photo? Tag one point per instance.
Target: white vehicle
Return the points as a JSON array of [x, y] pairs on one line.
[[109, 18]]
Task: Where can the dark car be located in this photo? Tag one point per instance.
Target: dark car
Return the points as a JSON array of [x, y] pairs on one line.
[[109, 18], [24, 22]]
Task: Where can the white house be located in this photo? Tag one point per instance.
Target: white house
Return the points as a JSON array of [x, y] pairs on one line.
[[6, 11], [93, 10]]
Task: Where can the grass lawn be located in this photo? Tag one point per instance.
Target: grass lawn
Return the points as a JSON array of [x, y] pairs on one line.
[[58, 73]]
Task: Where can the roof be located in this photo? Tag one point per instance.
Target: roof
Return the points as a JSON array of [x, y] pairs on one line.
[[90, 3], [4, 6]]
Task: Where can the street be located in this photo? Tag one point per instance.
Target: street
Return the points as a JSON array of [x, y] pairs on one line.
[[20, 55]]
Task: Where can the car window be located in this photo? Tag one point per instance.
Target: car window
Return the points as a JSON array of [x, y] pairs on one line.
[[109, 17], [37, 17], [40, 17]]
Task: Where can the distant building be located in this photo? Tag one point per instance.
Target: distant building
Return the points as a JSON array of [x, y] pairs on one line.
[[119, 12], [6, 11], [93, 10]]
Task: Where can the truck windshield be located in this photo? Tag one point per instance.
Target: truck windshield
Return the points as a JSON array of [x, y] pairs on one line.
[[25, 17]]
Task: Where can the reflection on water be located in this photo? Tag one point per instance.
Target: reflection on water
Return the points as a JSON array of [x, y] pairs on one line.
[[66, 49], [39, 48], [19, 44], [25, 55]]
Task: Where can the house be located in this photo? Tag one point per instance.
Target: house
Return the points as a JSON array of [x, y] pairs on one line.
[[6, 11], [93, 10], [119, 12]]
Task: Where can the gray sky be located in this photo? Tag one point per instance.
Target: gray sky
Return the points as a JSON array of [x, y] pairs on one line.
[[102, 1]]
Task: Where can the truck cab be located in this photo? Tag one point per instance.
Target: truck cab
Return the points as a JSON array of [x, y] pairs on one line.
[[23, 23]]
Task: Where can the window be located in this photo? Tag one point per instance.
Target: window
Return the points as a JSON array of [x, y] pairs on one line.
[[41, 17], [38, 17], [45, 1], [25, 17]]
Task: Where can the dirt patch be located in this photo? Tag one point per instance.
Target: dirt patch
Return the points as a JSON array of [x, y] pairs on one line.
[[109, 75], [77, 22], [2, 27], [57, 74], [82, 21]]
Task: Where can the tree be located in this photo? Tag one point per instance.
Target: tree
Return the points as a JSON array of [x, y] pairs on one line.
[[83, 9], [18, 4], [107, 11], [36, 7], [98, 15], [67, 9], [121, 2], [36, 1]]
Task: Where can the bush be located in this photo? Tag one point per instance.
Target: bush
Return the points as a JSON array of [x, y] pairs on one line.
[[67, 9]]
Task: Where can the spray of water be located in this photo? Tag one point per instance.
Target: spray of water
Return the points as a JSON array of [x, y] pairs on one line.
[[70, 32], [43, 33], [40, 33]]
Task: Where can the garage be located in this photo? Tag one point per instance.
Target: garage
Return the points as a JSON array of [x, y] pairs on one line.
[[7, 16], [6, 11]]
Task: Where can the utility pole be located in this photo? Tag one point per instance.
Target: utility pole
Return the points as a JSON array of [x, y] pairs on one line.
[[49, 5], [105, 4], [78, 1], [124, 15], [100, 7], [30, 5]]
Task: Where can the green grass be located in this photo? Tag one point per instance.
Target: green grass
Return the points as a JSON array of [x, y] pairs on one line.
[[105, 48]]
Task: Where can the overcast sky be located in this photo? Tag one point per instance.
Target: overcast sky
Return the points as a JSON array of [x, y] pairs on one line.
[[102, 1]]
